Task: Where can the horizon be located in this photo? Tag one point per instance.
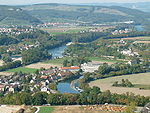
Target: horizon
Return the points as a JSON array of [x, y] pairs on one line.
[[31, 2]]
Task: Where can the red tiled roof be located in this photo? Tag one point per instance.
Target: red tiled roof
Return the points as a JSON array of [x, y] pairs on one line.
[[75, 67], [44, 77]]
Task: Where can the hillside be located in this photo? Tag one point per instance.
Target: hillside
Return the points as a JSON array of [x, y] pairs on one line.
[[39, 13], [15, 16], [85, 13], [143, 6]]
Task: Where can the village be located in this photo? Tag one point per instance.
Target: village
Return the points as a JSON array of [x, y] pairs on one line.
[[15, 30], [38, 81]]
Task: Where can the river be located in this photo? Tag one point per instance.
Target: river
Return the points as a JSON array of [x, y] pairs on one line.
[[63, 87], [57, 52]]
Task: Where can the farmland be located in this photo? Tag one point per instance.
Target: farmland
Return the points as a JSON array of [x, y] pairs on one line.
[[47, 64], [49, 109], [142, 38], [43, 65], [22, 69], [74, 29], [56, 31], [144, 42], [68, 109], [140, 79]]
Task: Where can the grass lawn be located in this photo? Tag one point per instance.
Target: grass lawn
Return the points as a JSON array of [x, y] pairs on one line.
[[46, 109], [23, 69]]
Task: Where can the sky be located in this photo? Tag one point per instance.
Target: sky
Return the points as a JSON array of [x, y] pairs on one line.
[[19, 2]]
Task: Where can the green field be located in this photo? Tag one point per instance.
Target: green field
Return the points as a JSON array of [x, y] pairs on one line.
[[59, 61], [46, 110], [57, 31], [104, 59], [22, 69]]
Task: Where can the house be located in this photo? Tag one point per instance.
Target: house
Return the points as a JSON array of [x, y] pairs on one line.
[[133, 62], [129, 52], [45, 89], [90, 67], [72, 68], [47, 82], [53, 77], [2, 87], [11, 88], [61, 74], [47, 72], [32, 81], [121, 42], [44, 77], [146, 108], [31, 88], [43, 83]]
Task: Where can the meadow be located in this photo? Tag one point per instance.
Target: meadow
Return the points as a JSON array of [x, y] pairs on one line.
[[140, 80], [105, 60], [63, 30], [22, 69]]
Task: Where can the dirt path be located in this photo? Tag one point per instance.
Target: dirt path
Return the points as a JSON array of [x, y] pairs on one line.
[[9, 109]]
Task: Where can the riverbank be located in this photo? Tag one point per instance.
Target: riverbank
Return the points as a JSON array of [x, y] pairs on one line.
[[64, 87], [75, 85]]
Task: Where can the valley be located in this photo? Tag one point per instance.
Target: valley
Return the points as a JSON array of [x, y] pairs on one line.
[[67, 58]]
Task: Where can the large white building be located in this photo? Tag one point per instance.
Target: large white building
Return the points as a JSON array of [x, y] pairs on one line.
[[90, 67]]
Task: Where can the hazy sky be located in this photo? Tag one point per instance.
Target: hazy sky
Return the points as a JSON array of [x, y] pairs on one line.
[[14, 2]]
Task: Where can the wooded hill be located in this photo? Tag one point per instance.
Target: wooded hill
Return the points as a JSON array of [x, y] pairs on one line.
[[83, 13], [10, 15], [36, 14]]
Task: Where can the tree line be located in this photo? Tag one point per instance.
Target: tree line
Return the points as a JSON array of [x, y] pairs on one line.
[[105, 71], [89, 96], [10, 65]]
